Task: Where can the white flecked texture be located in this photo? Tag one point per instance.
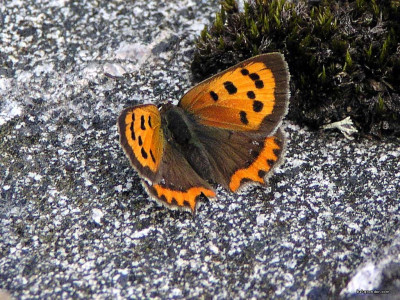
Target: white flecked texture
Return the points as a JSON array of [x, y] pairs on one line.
[[75, 221]]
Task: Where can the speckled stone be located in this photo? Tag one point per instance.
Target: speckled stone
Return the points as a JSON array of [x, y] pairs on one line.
[[75, 221]]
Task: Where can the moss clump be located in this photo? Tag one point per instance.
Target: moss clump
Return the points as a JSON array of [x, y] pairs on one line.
[[344, 56]]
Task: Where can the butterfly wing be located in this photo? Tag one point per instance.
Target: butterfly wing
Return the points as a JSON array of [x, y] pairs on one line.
[[238, 158], [179, 186], [269, 157], [250, 96], [167, 175], [142, 138]]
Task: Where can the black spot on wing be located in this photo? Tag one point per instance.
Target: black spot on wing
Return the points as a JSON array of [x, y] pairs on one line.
[[254, 76], [230, 87], [244, 72], [257, 106], [140, 141], [270, 162], [259, 84], [142, 125], [144, 153], [251, 95], [214, 95], [152, 156], [277, 151], [149, 121], [243, 117], [133, 136]]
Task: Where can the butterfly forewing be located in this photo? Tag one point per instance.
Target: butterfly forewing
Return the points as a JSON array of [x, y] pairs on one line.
[[251, 96], [142, 138]]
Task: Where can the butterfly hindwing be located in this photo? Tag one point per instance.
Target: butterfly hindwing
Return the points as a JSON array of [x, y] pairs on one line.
[[250, 96], [247, 157], [269, 157], [179, 186]]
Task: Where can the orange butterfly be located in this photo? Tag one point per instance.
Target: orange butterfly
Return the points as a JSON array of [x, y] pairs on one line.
[[224, 131]]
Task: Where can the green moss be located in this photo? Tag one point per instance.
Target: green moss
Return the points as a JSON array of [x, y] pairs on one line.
[[369, 52], [322, 75], [348, 61], [342, 56], [380, 104], [219, 22]]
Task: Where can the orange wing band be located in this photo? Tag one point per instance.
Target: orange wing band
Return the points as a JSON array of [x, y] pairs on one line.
[[258, 169], [179, 198]]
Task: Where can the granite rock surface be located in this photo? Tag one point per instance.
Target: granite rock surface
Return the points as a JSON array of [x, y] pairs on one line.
[[75, 221]]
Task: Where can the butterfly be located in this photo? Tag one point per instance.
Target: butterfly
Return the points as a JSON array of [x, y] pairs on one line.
[[225, 130]]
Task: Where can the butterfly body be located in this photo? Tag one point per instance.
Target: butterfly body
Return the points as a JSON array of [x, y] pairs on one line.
[[179, 130], [224, 131]]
